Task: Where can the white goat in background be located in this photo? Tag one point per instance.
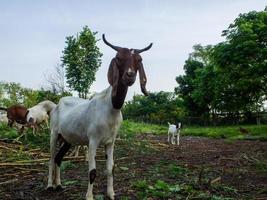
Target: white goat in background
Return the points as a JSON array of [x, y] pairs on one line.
[[40, 113], [93, 122], [174, 130]]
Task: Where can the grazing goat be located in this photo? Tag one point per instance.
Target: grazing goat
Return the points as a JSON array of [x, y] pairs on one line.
[[17, 113], [96, 121], [40, 113], [174, 130]]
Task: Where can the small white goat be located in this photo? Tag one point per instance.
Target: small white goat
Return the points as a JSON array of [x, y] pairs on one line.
[[93, 122], [174, 130], [40, 113]]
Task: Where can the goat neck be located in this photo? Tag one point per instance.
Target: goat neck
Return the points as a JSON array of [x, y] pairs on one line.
[[118, 96]]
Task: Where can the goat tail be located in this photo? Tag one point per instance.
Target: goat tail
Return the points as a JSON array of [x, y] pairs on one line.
[[169, 123], [2, 108]]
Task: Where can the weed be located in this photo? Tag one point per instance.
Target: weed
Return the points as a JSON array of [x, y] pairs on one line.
[[67, 165], [70, 182]]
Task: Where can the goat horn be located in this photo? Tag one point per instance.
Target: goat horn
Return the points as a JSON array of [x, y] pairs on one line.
[[107, 43], [144, 49]]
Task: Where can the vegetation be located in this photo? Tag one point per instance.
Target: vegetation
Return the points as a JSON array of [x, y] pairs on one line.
[[141, 159], [158, 107], [14, 93], [81, 59], [230, 77]]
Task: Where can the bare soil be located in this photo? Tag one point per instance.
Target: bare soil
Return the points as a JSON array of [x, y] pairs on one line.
[[215, 167]]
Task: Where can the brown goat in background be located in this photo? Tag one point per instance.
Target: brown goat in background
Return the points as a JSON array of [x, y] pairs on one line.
[[17, 113]]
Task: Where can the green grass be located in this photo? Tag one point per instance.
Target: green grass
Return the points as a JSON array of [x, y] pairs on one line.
[[256, 132], [130, 129]]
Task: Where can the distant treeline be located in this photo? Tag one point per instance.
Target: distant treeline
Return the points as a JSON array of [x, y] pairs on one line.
[[14, 93]]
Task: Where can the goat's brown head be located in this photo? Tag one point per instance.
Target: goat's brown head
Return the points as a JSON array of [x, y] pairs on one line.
[[124, 66]]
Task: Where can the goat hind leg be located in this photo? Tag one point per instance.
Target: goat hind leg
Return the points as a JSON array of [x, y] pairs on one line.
[[173, 138]]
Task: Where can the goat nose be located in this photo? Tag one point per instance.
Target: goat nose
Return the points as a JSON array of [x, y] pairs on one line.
[[130, 73]]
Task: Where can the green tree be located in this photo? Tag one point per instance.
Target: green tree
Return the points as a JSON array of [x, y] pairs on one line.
[[196, 87], [158, 107], [81, 59], [242, 63]]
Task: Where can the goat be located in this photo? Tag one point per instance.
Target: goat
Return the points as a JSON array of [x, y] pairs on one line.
[[175, 131], [96, 121], [17, 113], [40, 113]]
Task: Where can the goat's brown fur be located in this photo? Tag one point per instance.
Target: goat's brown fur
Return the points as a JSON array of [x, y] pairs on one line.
[[16, 113]]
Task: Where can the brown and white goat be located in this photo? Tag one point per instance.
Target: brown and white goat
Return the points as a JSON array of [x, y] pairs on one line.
[[18, 113], [96, 121]]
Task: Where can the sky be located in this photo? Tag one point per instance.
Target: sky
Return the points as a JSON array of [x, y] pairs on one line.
[[33, 35]]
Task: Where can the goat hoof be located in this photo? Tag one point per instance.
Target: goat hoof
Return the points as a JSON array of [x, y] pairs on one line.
[[59, 188], [50, 189], [111, 195]]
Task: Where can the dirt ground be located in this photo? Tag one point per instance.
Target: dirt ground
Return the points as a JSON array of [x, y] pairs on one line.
[[233, 169]]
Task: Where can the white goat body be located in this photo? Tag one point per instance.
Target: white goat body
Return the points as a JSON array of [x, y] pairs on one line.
[[174, 131], [79, 120], [85, 122], [39, 112]]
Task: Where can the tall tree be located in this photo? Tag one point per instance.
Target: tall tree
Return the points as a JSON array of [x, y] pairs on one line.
[[242, 63], [196, 86], [81, 59]]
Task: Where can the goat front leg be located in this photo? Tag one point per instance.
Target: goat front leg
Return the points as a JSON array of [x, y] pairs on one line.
[[92, 169], [168, 136], [173, 138], [110, 165]]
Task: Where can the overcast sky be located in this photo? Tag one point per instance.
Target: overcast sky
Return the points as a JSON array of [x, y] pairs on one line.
[[32, 34]]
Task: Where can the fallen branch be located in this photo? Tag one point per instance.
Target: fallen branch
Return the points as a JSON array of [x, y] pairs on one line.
[[7, 148], [9, 181], [27, 169], [20, 164], [215, 180]]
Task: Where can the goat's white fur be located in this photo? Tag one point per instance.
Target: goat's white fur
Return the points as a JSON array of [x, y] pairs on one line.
[[175, 132], [39, 113], [3, 118], [86, 122]]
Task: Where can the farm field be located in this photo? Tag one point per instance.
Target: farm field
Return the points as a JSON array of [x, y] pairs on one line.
[[221, 166]]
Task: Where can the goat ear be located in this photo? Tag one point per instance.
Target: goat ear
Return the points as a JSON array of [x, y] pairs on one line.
[[142, 76], [113, 76]]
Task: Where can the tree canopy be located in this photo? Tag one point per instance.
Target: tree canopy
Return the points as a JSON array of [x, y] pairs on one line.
[[81, 59], [229, 77]]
